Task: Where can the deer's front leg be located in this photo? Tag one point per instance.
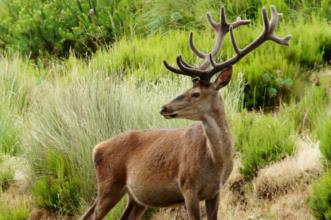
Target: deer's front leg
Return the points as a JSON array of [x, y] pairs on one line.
[[192, 204], [212, 207]]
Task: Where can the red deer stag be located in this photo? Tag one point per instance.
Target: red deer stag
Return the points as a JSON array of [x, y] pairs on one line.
[[160, 168]]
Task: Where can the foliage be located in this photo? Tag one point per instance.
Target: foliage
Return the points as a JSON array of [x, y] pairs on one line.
[[320, 198], [261, 139], [59, 191], [163, 15], [55, 27], [38, 28]]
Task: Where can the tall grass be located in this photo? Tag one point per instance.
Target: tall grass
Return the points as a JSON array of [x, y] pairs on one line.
[[16, 85], [324, 136]]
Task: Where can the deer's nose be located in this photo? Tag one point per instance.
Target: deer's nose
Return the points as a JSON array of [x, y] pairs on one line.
[[163, 109]]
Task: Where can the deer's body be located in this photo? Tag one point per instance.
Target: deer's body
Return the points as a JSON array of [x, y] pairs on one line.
[[181, 159], [155, 166], [161, 168]]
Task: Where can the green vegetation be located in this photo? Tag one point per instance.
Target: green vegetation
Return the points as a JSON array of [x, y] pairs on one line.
[[261, 139], [13, 213], [53, 111], [6, 179], [39, 28], [320, 199], [324, 135]]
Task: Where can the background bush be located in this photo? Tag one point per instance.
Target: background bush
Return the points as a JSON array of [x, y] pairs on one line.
[[38, 28]]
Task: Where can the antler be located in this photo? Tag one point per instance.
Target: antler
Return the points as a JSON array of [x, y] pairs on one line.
[[221, 28], [209, 67]]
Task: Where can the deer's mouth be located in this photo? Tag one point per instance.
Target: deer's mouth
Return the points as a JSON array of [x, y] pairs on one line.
[[169, 115]]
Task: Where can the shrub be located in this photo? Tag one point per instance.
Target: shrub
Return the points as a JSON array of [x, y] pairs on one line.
[[320, 198], [59, 191], [55, 27], [260, 140]]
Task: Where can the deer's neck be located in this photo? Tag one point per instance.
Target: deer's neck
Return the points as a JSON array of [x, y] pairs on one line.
[[218, 134]]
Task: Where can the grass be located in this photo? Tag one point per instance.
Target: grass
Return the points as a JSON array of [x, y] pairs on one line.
[[319, 201], [13, 213], [325, 139], [261, 139]]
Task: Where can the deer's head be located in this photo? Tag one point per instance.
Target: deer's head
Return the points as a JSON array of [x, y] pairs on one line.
[[199, 100]]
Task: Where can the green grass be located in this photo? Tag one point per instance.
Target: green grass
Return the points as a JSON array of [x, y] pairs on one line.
[[324, 135], [320, 198], [261, 139], [6, 179], [13, 213]]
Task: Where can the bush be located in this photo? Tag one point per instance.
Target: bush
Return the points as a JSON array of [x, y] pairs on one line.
[[59, 191], [55, 27], [320, 198], [261, 140]]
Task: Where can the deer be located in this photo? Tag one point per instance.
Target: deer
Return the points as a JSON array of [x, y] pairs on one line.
[[181, 166]]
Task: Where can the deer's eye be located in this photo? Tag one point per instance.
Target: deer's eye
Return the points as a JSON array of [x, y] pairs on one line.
[[196, 94]]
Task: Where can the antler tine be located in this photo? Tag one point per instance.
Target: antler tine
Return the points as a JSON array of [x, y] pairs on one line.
[[178, 71], [267, 34], [183, 66], [194, 49], [234, 43], [274, 20]]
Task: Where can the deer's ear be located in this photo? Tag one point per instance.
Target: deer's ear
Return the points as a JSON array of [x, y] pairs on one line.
[[223, 78]]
